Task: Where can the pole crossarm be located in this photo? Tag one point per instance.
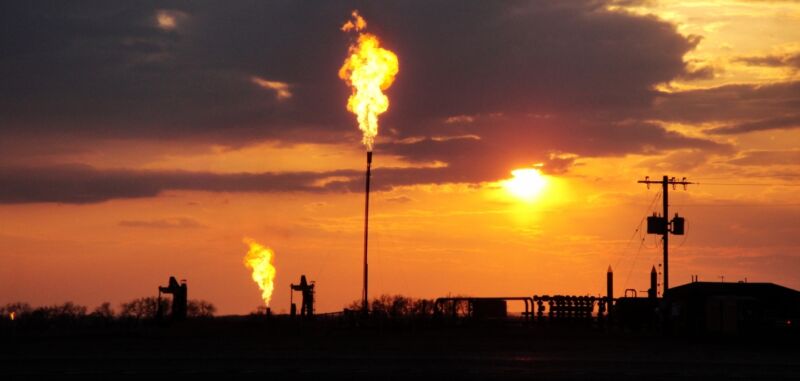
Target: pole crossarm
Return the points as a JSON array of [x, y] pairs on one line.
[[669, 181]]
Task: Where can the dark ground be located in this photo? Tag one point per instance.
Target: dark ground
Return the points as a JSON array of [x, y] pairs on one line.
[[254, 347]]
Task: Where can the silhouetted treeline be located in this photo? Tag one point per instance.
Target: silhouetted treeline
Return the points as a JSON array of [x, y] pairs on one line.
[[137, 309], [396, 306]]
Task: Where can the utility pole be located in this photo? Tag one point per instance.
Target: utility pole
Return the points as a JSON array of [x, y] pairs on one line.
[[660, 225]]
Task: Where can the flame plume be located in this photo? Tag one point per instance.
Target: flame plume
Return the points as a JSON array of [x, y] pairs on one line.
[[368, 70], [259, 259]]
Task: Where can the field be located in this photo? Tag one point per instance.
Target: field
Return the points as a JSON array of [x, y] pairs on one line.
[[279, 347]]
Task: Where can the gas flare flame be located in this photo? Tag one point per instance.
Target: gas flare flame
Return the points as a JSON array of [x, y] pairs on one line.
[[259, 259], [12, 315], [368, 70]]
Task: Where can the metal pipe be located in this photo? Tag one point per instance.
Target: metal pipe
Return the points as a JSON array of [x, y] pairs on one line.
[[439, 301], [365, 295]]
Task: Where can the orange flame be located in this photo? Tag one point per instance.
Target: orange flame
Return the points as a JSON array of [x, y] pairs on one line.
[[259, 259], [12, 315], [368, 70], [357, 23]]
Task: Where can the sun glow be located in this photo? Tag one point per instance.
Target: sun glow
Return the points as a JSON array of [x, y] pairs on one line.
[[527, 184]]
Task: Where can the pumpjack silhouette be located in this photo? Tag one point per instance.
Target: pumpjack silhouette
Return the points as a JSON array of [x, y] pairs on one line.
[[179, 293], [307, 291]]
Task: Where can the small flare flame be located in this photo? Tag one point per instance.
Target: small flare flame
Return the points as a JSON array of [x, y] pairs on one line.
[[357, 23], [259, 259], [368, 70], [12, 315]]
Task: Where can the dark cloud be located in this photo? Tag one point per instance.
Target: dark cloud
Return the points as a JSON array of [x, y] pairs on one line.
[[702, 72], [110, 71], [530, 57], [773, 60], [79, 184], [533, 140], [678, 161], [729, 103], [784, 122], [527, 82], [759, 158]]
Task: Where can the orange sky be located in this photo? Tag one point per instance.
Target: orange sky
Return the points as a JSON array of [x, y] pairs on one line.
[[428, 239]]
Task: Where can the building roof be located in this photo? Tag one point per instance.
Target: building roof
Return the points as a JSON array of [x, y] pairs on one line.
[[756, 290]]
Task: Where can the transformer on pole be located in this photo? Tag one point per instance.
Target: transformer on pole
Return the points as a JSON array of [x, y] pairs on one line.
[[660, 225]]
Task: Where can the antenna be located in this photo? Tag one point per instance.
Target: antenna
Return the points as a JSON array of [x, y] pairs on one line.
[[660, 225]]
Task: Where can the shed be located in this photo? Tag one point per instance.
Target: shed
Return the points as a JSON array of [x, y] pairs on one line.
[[733, 307]]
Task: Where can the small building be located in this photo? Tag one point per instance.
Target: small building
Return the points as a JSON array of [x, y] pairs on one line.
[[717, 307]]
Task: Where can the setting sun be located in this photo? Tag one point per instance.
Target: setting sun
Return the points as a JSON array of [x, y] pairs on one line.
[[526, 184]]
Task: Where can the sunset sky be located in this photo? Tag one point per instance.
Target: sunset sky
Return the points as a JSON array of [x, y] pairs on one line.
[[145, 139]]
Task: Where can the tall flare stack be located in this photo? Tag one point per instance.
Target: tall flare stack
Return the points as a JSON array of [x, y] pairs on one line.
[[365, 295], [368, 70]]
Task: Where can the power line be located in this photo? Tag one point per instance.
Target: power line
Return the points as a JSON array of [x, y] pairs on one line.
[[738, 205], [633, 265], [753, 184], [638, 228], [728, 178]]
